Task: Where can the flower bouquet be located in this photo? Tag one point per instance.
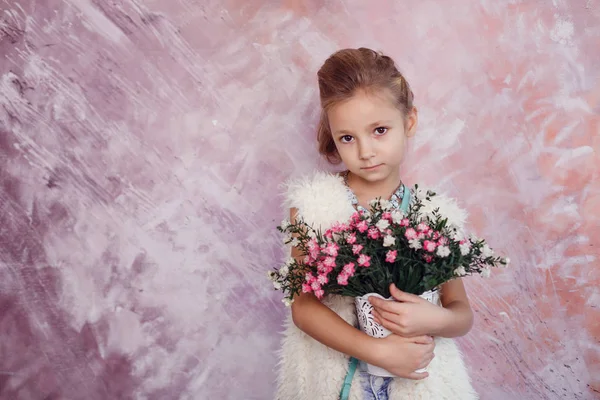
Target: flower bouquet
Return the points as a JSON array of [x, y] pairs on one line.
[[418, 251]]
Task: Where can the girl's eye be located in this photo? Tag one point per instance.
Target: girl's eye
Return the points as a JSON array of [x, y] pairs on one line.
[[346, 139], [381, 130]]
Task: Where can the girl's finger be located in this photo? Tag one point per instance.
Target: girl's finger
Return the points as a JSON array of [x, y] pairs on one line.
[[425, 339], [391, 306], [403, 296], [388, 315], [418, 375]]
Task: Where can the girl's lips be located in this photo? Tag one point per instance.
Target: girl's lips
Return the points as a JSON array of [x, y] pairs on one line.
[[372, 168]]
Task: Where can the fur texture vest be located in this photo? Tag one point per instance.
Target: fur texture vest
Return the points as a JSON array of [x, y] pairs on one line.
[[307, 369]]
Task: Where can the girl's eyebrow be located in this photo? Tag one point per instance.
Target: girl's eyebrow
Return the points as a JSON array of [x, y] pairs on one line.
[[370, 126], [342, 131], [379, 123]]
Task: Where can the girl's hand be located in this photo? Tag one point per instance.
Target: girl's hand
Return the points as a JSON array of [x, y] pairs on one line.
[[410, 315], [403, 356]]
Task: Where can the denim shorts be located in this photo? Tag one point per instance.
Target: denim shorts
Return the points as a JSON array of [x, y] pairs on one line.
[[374, 387]]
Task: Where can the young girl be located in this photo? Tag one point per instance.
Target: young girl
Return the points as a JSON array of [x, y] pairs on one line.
[[367, 117]]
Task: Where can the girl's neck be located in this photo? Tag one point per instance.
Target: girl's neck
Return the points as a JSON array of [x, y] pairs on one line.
[[368, 190]]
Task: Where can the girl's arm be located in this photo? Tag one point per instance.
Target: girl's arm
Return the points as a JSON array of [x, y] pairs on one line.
[[398, 355], [322, 324], [459, 316]]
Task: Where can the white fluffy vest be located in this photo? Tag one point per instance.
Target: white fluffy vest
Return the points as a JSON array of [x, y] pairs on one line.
[[309, 370]]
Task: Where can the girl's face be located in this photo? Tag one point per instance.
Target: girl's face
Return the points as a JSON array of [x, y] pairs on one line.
[[370, 134]]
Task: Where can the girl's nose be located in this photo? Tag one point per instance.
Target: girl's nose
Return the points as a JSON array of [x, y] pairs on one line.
[[365, 151]]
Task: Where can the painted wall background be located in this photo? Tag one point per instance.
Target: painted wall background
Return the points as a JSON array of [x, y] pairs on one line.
[[141, 148]]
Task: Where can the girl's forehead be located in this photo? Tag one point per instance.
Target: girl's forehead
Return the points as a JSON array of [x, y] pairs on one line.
[[363, 107]]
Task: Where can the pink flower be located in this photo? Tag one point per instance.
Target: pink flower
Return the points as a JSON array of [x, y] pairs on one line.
[[339, 227], [436, 235], [410, 234], [315, 285], [328, 234], [421, 235], [362, 226], [322, 279], [319, 293], [329, 262], [387, 215], [391, 256], [351, 239], [312, 244], [373, 233], [310, 278], [357, 248], [313, 250], [423, 227], [331, 249], [405, 222], [342, 279], [364, 260], [443, 241], [324, 270], [428, 258], [348, 269], [355, 218], [430, 246], [306, 288]]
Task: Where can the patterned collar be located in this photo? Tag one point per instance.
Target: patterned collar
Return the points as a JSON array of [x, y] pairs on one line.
[[395, 200]]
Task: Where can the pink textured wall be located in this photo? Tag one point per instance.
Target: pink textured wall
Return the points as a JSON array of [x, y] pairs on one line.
[[142, 143]]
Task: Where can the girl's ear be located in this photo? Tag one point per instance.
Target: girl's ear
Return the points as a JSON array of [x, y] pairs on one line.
[[412, 120]]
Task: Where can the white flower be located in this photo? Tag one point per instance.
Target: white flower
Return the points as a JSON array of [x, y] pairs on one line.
[[283, 271], [397, 216], [374, 202], [312, 234], [386, 205], [486, 272], [465, 249], [443, 251], [415, 244], [506, 261], [382, 224], [284, 224], [486, 251], [287, 302], [290, 261], [460, 271], [388, 241], [277, 285], [272, 275], [295, 242]]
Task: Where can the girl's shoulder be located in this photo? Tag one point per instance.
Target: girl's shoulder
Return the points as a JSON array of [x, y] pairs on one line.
[[319, 196], [447, 206], [316, 184]]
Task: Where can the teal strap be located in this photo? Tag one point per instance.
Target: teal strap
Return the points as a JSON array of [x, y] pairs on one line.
[[405, 199], [348, 381]]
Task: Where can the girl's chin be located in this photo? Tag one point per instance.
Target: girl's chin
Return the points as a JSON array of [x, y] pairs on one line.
[[375, 174]]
